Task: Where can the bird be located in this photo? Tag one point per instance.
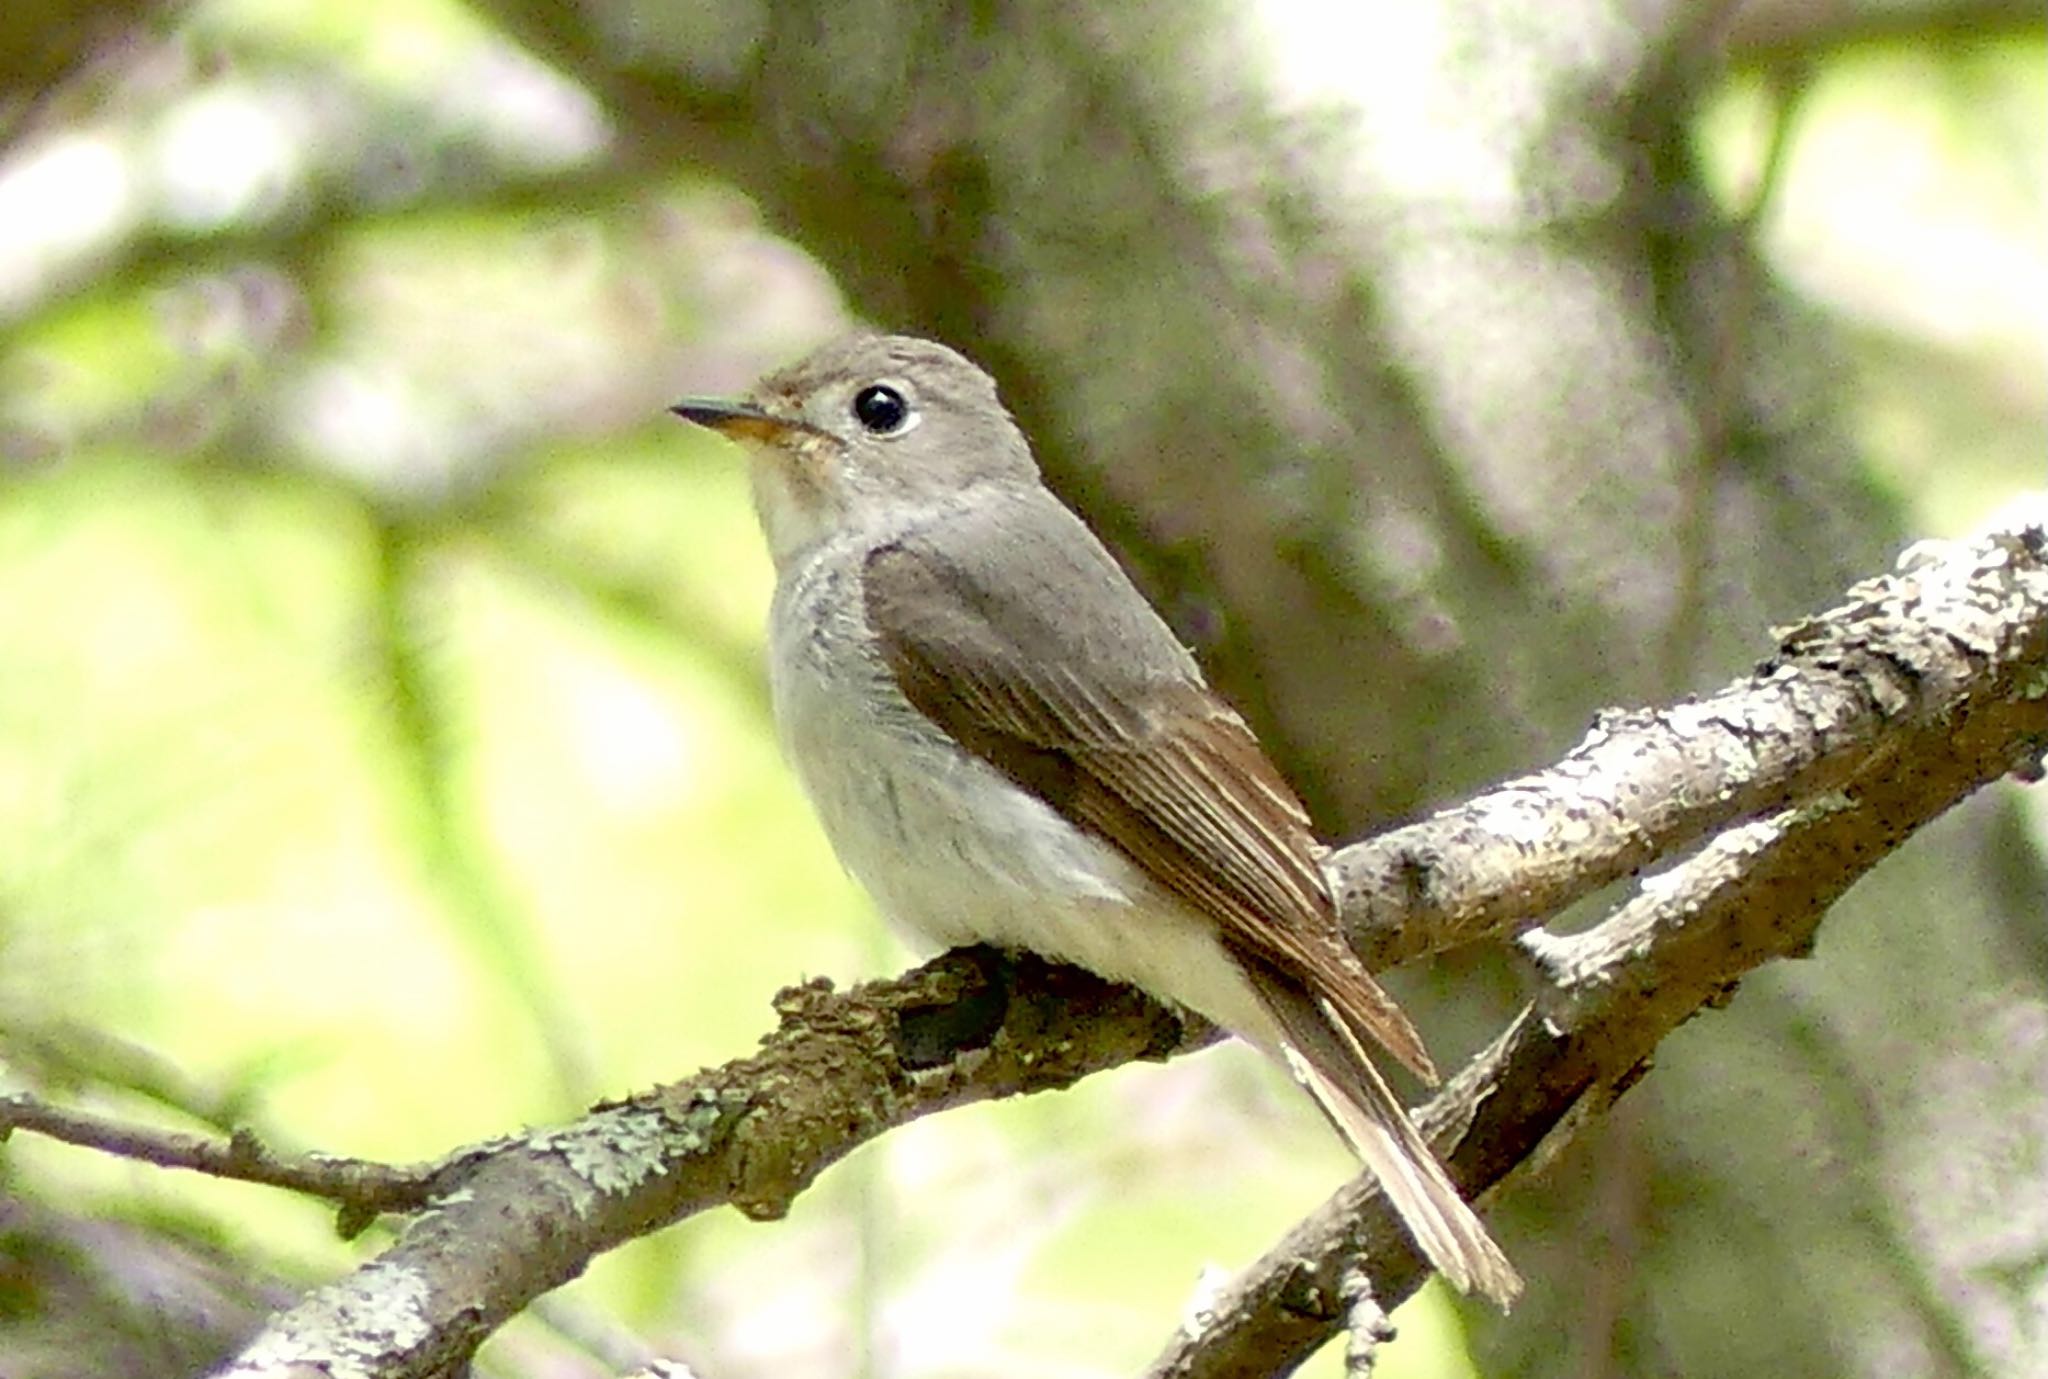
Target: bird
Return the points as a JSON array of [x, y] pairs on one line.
[[1006, 745]]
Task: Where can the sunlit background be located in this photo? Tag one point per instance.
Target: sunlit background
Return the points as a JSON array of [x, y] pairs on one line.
[[384, 760]]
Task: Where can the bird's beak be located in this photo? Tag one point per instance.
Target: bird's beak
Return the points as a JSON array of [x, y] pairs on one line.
[[738, 420]]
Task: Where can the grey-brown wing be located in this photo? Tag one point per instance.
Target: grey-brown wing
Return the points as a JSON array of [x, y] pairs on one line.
[[1102, 716]]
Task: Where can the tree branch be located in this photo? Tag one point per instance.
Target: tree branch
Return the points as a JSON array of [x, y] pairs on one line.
[[531, 1212], [1869, 721], [1649, 783], [1945, 669]]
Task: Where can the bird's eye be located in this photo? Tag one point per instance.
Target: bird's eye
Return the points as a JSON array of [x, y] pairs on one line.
[[881, 410]]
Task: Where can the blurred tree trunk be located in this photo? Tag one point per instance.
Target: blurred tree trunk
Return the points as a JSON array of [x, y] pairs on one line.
[[1430, 470]]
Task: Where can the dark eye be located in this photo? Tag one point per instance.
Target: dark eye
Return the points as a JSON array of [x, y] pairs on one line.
[[881, 409]]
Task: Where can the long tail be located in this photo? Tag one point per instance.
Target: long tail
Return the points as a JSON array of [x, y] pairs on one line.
[[1326, 1057]]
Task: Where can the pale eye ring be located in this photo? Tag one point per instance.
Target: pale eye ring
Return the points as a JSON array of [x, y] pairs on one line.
[[882, 411]]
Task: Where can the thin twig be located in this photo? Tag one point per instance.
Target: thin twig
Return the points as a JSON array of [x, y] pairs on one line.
[[363, 1187]]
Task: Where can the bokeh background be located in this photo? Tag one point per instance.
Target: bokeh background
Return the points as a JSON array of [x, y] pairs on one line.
[[384, 759]]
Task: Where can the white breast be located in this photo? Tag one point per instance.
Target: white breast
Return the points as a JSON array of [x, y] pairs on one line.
[[952, 852]]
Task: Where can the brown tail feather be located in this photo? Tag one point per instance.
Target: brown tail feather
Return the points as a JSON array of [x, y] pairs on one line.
[[1326, 1057]]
